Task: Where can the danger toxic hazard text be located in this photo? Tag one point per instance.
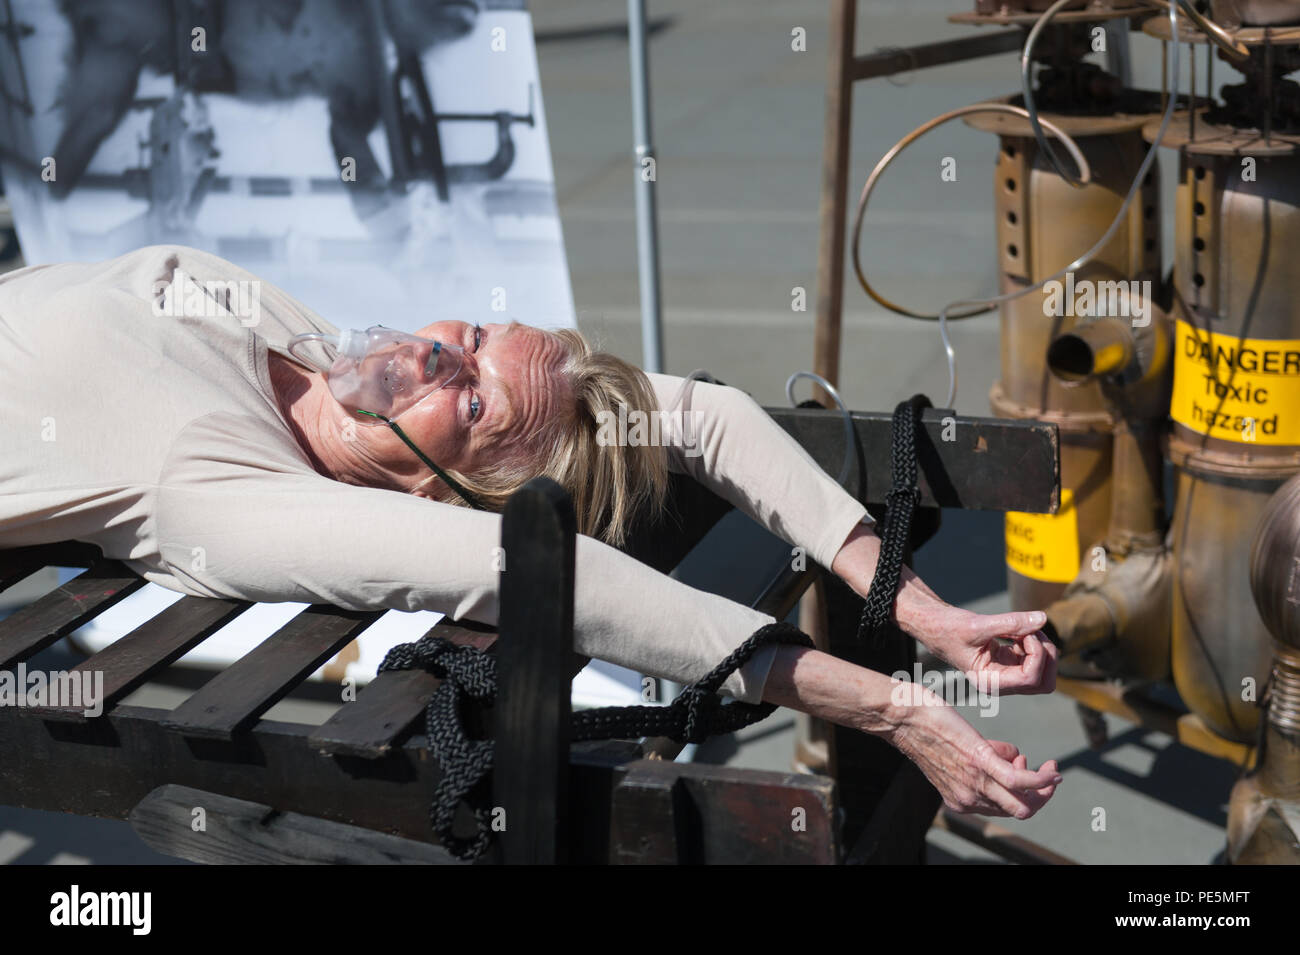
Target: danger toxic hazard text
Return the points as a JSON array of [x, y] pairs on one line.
[[1045, 546], [1238, 389]]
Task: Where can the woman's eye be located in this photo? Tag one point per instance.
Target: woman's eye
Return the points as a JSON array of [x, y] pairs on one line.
[[474, 406]]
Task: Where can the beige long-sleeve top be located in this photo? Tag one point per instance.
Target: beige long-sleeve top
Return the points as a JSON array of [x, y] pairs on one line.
[[157, 437]]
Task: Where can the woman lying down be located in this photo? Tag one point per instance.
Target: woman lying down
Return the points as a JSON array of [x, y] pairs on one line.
[[166, 428]]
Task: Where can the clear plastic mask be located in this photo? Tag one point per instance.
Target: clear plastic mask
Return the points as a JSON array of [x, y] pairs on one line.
[[380, 371]]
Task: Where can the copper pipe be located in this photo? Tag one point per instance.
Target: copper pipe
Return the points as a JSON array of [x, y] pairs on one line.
[[1092, 350], [1137, 506]]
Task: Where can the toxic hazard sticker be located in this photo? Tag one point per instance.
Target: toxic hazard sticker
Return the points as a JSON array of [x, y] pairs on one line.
[[1238, 389], [1045, 546]]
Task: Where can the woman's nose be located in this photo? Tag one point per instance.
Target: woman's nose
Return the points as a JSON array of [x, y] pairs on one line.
[[469, 370]]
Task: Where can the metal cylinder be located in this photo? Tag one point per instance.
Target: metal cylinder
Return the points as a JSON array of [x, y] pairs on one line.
[[1275, 566], [1236, 416], [1043, 225], [1265, 803]]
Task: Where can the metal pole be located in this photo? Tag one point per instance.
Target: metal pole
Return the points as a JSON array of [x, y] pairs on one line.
[[647, 221], [835, 184]]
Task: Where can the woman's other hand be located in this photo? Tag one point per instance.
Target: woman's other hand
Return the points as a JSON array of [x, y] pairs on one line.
[[971, 773]]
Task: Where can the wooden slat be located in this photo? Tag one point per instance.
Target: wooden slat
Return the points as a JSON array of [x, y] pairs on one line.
[[154, 645], [238, 695], [369, 726], [64, 609], [532, 713], [990, 464], [240, 832]]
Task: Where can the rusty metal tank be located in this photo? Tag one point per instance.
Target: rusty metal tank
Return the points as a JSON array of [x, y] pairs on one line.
[[1264, 811], [1044, 223], [1236, 415]]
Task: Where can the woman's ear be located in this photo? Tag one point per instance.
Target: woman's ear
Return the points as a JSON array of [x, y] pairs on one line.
[[429, 488]]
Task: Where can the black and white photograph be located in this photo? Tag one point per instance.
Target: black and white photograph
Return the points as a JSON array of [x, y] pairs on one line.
[[374, 159]]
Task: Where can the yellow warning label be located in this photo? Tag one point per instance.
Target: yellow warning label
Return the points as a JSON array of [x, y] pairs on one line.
[[1045, 546], [1238, 389]]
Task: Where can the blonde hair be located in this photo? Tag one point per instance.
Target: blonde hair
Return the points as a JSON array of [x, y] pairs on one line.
[[612, 485]]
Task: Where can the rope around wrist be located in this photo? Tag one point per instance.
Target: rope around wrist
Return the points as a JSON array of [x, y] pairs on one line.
[[901, 501]]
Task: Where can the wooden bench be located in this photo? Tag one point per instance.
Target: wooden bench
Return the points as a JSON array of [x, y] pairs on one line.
[[357, 788]]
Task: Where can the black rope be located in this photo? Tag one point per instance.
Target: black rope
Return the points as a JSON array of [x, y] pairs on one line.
[[698, 712], [469, 675], [901, 501]]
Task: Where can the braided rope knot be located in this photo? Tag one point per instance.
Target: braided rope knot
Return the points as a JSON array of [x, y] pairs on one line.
[[903, 498], [467, 673], [703, 707]]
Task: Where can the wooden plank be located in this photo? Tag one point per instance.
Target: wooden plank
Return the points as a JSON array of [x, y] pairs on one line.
[[106, 767], [240, 832], [64, 609], [647, 810], [368, 726], [989, 464], [895, 833], [153, 646], [863, 765], [235, 698], [532, 712], [719, 815]]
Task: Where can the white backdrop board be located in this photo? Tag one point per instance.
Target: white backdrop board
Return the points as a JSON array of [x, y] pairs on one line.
[[271, 147]]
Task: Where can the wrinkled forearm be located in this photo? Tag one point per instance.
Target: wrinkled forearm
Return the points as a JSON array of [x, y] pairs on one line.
[[831, 689], [917, 608]]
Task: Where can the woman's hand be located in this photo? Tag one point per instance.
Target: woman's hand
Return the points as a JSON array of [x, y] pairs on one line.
[[971, 773], [968, 641], [971, 642]]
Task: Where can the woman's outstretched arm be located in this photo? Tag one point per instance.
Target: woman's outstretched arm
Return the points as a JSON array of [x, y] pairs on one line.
[[726, 441]]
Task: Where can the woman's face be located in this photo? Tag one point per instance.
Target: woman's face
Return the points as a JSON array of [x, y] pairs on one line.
[[507, 391]]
